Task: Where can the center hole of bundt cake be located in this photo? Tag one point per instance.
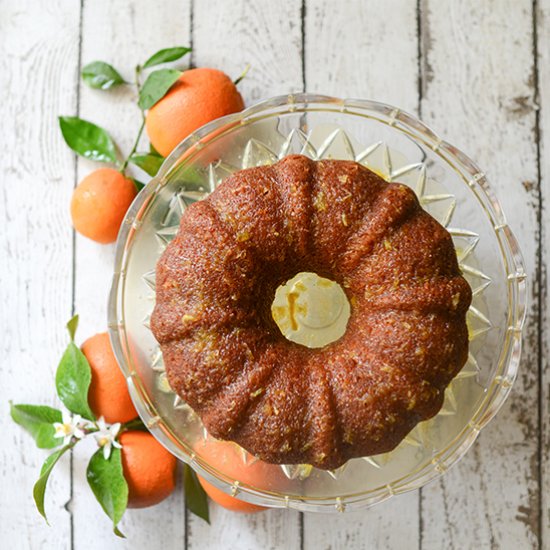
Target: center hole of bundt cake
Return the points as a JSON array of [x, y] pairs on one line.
[[311, 310]]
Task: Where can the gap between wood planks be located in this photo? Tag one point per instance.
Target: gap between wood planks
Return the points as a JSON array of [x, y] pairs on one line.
[[68, 506], [303, 54], [191, 65], [539, 278], [420, 79]]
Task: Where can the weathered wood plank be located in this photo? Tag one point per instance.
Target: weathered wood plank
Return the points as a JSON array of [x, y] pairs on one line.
[[542, 22], [228, 35], [124, 35], [274, 529], [478, 92], [39, 45], [267, 35], [356, 50]]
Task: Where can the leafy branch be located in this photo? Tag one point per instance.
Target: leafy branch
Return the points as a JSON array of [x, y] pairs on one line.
[[58, 429], [93, 142]]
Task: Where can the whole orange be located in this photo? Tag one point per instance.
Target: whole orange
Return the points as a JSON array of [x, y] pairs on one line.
[[99, 203], [149, 469], [228, 458], [199, 96], [108, 393]]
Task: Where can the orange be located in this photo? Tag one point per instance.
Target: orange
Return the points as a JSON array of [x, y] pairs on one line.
[[199, 96], [228, 458], [227, 501], [100, 202], [108, 394], [149, 469]]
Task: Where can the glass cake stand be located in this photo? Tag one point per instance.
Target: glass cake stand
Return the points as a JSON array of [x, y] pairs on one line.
[[399, 147]]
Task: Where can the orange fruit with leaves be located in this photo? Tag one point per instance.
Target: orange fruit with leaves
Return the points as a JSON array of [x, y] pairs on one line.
[[199, 96], [99, 203], [108, 393], [149, 469]]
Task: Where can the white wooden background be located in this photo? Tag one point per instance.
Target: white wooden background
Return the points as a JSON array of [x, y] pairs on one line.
[[478, 71]]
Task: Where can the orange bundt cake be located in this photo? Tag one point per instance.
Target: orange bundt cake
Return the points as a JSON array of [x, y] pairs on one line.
[[360, 395]]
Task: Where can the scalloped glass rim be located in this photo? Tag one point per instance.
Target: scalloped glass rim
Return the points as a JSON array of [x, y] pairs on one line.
[[506, 365]]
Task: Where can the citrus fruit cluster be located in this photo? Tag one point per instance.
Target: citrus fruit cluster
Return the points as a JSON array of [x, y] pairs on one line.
[[173, 104], [149, 469], [130, 468]]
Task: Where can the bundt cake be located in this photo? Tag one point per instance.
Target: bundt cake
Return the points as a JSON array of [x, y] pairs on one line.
[[360, 395]]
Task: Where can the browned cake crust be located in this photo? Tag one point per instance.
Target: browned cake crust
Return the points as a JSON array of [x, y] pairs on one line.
[[225, 356]]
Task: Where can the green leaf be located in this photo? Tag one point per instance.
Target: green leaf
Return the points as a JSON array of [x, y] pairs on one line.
[[156, 86], [87, 139], [39, 489], [166, 55], [195, 497], [106, 479], [139, 184], [72, 381], [190, 175], [72, 325], [147, 162], [153, 151], [135, 424], [101, 75], [38, 421]]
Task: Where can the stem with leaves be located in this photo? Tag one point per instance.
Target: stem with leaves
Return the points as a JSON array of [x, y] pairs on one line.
[[134, 147], [137, 83], [61, 430], [93, 142]]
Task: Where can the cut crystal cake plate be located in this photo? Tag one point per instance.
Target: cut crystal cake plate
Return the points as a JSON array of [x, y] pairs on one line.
[[398, 147]]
